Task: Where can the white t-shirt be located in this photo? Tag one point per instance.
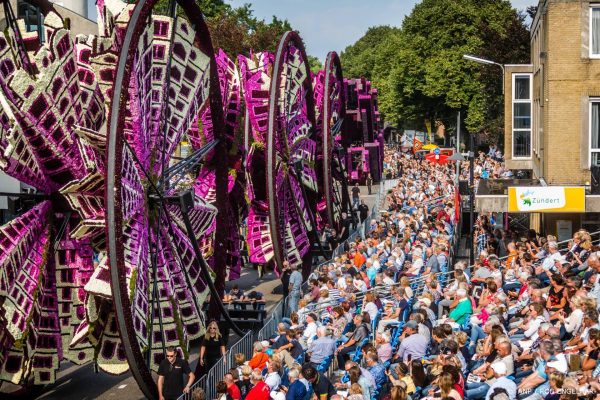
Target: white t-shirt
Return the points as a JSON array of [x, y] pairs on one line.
[[310, 332], [532, 331], [372, 309], [573, 322], [548, 262]]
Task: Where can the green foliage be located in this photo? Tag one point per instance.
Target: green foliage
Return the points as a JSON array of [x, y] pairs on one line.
[[358, 59], [315, 64], [420, 71], [236, 30]]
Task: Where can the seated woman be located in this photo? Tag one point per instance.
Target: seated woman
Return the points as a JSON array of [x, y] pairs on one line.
[[558, 296], [445, 388], [338, 322], [370, 306]]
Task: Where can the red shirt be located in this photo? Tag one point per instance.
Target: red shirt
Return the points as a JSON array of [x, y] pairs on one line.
[[234, 392], [260, 391]]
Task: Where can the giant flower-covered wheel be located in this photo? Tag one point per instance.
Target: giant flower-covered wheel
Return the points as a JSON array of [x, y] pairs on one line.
[[49, 99], [330, 106], [234, 209], [291, 187], [166, 77], [256, 73]]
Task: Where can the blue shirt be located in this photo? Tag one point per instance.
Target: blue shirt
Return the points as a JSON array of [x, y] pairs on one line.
[[414, 345], [372, 273], [296, 281], [378, 372], [321, 348], [296, 391]]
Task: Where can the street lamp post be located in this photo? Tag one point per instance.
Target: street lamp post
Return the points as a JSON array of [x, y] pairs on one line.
[[487, 62], [472, 156]]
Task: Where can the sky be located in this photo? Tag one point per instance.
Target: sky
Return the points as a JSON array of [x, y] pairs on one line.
[[327, 25]]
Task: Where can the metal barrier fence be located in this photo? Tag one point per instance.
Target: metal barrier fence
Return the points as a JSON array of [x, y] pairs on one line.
[[270, 327], [209, 381]]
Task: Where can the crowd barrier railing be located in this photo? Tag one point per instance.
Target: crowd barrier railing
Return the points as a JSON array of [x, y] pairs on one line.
[[209, 381], [270, 327]]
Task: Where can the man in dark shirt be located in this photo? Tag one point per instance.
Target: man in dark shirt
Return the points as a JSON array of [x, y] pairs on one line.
[[346, 224], [321, 385], [361, 332], [235, 296], [332, 239], [285, 278], [363, 211], [291, 349], [170, 376], [355, 196]]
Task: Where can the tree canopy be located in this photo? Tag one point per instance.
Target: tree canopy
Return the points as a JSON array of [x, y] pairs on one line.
[[420, 71], [237, 30]]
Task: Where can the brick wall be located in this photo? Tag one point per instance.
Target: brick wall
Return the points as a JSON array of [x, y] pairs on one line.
[[564, 79]]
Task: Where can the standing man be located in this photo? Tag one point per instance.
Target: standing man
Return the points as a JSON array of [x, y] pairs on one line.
[[355, 196], [286, 272], [170, 376], [295, 288], [363, 210], [369, 182]]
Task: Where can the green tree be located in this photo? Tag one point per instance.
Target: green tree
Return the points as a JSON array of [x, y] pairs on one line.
[[315, 64], [236, 30], [420, 69], [358, 59]]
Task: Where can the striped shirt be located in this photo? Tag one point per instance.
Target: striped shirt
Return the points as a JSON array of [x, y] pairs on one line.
[[334, 295]]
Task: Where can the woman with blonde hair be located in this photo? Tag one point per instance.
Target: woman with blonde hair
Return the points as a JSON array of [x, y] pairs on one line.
[[398, 393], [355, 392], [573, 321], [405, 283], [240, 360], [370, 306], [212, 349], [446, 384]]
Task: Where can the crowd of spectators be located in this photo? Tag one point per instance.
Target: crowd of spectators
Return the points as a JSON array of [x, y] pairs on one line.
[[392, 318]]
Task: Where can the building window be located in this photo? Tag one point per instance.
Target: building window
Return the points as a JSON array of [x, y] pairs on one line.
[[595, 31], [595, 132], [521, 124]]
